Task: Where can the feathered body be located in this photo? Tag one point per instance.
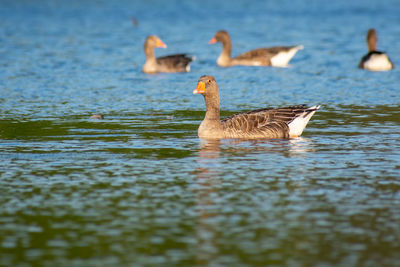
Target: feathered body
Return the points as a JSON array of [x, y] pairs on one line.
[[284, 122], [267, 122], [169, 64], [278, 56], [375, 60]]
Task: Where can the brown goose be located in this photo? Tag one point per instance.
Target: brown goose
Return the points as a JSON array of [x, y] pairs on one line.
[[375, 60], [278, 56], [284, 122], [172, 63]]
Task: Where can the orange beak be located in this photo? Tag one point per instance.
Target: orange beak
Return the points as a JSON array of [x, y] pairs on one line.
[[200, 89], [212, 41], [160, 43]]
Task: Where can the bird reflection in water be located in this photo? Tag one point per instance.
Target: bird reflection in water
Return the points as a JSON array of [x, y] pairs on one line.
[[292, 147], [300, 146], [208, 183], [212, 155]]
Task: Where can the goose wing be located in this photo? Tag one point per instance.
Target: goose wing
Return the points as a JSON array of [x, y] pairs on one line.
[[263, 52], [179, 62], [267, 122]]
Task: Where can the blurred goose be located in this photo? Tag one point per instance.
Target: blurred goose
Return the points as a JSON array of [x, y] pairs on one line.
[[172, 63], [97, 117], [278, 56], [375, 60], [287, 122]]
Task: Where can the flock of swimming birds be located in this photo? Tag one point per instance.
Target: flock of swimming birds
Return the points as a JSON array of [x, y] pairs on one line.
[[286, 122]]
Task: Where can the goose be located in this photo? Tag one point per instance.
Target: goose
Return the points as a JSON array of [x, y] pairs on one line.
[[169, 64], [375, 60], [285, 122], [278, 56]]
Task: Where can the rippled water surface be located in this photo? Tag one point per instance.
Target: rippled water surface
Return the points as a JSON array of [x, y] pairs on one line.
[[138, 188]]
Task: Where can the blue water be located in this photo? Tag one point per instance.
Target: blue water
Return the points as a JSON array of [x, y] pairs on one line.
[[138, 188]]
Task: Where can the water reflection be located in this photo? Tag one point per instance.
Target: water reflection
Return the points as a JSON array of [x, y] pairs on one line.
[[207, 178], [300, 146], [212, 156], [211, 149]]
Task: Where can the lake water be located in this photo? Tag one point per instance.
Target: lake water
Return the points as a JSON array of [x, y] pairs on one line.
[[138, 188]]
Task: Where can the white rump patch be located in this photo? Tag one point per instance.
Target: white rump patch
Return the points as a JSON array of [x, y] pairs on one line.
[[282, 58], [297, 126], [378, 63]]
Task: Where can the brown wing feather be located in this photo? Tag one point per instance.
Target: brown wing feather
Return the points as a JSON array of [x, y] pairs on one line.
[[176, 62], [265, 122], [263, 52]]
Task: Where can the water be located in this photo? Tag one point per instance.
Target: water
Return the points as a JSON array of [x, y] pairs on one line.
[[138, 188]]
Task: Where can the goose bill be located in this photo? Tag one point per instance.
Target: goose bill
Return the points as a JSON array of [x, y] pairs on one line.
[[200, 89], [161, 44]]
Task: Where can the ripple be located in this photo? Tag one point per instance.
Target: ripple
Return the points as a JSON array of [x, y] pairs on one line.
[[139, 187]]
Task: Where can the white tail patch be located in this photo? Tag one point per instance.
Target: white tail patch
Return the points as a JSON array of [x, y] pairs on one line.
[[282, 58], [378, 63], [297, 125]]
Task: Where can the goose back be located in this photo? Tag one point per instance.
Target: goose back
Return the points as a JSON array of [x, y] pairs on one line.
[[174, 63], [266, 122]]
